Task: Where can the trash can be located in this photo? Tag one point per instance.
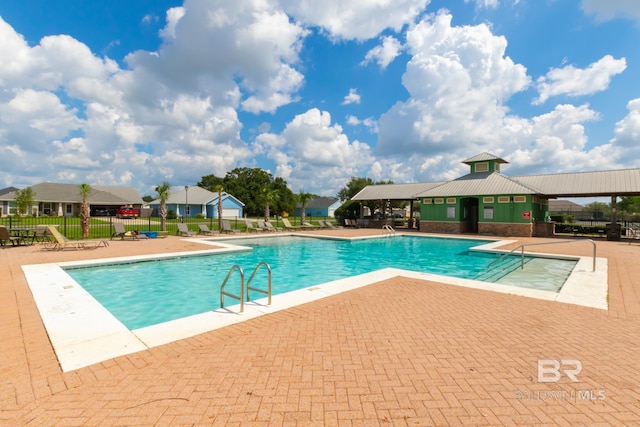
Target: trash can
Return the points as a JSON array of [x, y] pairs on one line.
[[613, 231]]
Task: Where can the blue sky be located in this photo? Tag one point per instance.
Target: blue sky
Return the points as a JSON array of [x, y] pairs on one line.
[[136, 93]]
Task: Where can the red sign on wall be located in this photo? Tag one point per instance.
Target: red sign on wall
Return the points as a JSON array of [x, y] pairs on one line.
[[526, 214]]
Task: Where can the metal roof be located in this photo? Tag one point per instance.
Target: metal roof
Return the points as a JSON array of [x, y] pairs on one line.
[[479, 184], [70, 193], [624, 182], [320, 203], [196, 195], [483, 157], [394, 191]]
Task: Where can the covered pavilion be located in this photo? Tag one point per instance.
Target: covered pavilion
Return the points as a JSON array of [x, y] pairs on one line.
[[486, 201]]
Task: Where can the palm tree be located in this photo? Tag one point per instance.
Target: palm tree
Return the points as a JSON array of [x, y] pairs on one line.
[[84, 210], [163, 191], [303, 198], [269, 197], [219, 189]]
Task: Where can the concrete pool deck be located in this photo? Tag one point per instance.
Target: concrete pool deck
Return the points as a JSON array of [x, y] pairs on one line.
[[396, 352]]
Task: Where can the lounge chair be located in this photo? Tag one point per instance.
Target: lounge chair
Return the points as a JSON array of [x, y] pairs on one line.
[[226, 227], [288, 226], [271, 227], [61, 243], [41, 234], [6, 237], [120, 231], [266, 225], [306, 224], [251, 227], [204, 229], [183, 230], [331, 225]]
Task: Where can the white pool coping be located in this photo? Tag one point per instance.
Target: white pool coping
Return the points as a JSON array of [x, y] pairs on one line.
[[83, 332]]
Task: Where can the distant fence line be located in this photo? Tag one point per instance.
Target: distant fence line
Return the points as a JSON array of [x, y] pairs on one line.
[[102, 227]]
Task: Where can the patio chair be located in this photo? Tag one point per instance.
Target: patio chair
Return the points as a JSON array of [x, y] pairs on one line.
[[6, 237], [266, 225], [41, 234], [183, 230], [331, 225], [204, 229], [120, 231], [251, 227], [226, 227], [61, 243], [288, 226]]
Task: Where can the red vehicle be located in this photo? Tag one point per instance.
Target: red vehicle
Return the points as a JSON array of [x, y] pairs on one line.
[[127, 211]]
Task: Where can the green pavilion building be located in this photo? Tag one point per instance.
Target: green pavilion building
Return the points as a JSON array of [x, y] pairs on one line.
[[485, 201]]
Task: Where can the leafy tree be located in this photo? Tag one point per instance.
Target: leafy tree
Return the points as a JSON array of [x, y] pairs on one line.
[[210, 182], [163, 191], [348, 209], [85, 223], [356, 184], [353, 187], [303, 198], [148, 198], [246, 184], [598, 210], [630, 204], [219, 189], [24, 199], [286, 201]]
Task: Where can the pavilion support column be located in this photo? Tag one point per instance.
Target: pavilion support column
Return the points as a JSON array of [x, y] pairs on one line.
[[614, 209]]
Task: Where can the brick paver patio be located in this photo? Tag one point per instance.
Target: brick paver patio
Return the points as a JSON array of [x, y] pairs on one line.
[[398, 352]]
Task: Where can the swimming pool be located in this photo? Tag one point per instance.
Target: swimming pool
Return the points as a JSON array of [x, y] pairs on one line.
[[141, 294]]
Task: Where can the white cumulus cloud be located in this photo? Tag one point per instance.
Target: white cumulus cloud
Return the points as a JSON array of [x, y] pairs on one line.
[[384, 53], [355, 19], [573, 81]]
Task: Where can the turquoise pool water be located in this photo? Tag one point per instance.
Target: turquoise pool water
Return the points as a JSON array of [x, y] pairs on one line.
[[144, 293]]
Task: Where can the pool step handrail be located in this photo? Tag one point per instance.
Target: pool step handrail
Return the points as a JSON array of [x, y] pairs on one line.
[[522, 246], [267, 292], [223, 293], [388, 229]]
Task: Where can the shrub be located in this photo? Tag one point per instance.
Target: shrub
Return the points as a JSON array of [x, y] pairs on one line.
[[558, 218], [171, 214]]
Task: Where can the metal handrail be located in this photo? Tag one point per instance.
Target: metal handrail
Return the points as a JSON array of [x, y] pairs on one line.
[[238, 297], [268, 291], [387, 227], [521, 247]]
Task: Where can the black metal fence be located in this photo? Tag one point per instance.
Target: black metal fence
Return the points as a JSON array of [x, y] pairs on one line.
[[102, 227]]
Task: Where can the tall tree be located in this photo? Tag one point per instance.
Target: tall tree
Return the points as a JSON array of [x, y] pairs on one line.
[[210, 182], [303, 199], [219, 189], [355, 185], [269, 196], [163, 191], [246, 185], [24, 199], [85, 222]]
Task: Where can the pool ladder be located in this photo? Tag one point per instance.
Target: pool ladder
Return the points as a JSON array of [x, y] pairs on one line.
[[249, 288], [388, 229]]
